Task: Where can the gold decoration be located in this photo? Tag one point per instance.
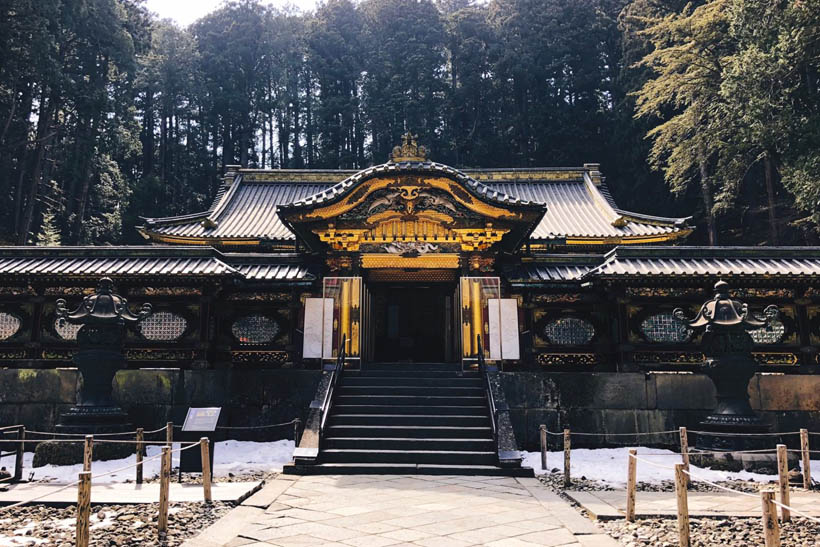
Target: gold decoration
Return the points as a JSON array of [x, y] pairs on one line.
[[482, 264], [774, 358], [409, 150], [428, 261], [571, 359], [416, 276], [470, 239], [339, 263], [447, 185]]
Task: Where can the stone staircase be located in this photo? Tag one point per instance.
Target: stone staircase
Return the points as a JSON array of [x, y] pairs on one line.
[[409, 418]]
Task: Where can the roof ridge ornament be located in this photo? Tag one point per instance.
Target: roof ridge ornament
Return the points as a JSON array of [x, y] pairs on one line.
[[409, 150]]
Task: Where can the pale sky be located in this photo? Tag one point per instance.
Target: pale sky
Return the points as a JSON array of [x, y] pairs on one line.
[[185, 12]]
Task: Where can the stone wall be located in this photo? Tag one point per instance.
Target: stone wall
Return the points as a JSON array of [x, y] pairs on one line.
[[585, 402], [612, 403], [35, 397]]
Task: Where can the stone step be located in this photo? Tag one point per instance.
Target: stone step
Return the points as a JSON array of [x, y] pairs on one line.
[[407, 381], [446, 457], [404, 400], [413, 367], [421, 420], [406, 469], [476, 410], [406, 444], [428, 391], [411, 431]]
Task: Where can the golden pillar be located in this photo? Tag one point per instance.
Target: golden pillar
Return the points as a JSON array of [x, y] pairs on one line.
[[477, 316], [355, 316], [344, 313], [466, 346]]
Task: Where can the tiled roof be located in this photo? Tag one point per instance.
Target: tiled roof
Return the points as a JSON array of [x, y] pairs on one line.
[[655, 261], [577, 207], [112, 261], [141, 262], [555, 269], [246, 211]]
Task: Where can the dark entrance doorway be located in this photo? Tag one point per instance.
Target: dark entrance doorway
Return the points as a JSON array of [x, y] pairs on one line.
[[413, 322]]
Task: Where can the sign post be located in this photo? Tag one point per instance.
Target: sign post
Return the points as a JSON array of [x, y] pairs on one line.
[[197, 421]]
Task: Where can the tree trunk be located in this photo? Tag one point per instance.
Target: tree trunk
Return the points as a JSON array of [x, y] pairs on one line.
[[706, 195], [148, 135], [768, 166], [43, 139]]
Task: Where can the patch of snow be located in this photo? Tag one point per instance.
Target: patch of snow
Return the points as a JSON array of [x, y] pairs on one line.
[[235, 457], [17, 541], [609, 465]]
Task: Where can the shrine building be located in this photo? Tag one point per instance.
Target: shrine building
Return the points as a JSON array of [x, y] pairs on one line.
[[416, 266]]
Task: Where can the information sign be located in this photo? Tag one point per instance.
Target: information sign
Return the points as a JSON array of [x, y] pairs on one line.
[[201, 419]]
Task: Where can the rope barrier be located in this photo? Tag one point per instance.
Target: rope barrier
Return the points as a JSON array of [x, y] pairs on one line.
[[715, 452], [75, 483], [638, 434], [714, 433], [722, 487], [38, 498], [721, 434], [293, 421], [56, 434]]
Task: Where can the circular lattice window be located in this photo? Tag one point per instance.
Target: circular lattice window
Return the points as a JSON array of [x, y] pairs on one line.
[[664, 328], [66, 330], [770, 334], [255, 330], [9, 325], [163, 326], [569, 331]]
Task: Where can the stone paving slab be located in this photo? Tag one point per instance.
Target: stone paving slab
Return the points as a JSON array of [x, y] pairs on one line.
[[612, 504], [127, 493], [395, 510]]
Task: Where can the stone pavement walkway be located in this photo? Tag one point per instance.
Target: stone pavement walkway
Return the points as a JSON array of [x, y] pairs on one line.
[[612, 504], [380, 510], [123, 493]]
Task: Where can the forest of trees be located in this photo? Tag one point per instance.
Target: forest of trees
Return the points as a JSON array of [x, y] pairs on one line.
[[708, 108]]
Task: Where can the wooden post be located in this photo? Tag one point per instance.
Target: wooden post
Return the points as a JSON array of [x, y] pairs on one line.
[[567, 476], [83, 509], [18, 456], [683, 505], [684, 452], [164, 487], [771, 528], [783, 476], [88, 448], [140, 449], [206, 468], [631, 484], [169, 434], [804, 448], [543, 431]]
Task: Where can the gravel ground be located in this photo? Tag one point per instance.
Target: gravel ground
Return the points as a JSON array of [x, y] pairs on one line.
[[116, 525], [711, 532], [737, 532], [111, 525]]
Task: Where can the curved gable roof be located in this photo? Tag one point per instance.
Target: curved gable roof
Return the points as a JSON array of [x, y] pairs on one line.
[[579, 208]]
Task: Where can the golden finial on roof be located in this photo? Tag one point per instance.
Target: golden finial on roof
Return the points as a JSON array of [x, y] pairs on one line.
[[409, 150]]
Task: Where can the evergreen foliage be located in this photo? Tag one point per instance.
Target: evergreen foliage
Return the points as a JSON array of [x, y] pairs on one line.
[[709, 108]]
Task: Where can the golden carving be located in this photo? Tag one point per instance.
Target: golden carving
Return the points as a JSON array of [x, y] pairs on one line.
[[428, 261], [775, 358], [409, 150], [440, 183], [470, 239]]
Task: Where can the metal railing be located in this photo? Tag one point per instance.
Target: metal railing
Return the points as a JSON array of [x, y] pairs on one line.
[[338, 369], [482, 369]]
